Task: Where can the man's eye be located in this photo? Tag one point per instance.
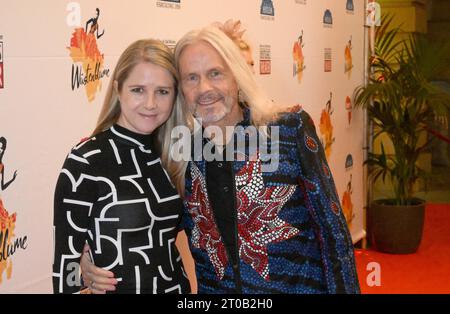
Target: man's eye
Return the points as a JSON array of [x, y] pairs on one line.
[[192, 78], [215, 73]]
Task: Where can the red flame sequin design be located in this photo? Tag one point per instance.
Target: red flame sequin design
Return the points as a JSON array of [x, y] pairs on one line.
[[258, 220], [205, 234]]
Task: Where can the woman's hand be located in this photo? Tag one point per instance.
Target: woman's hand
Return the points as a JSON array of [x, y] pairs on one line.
[[97, 279]]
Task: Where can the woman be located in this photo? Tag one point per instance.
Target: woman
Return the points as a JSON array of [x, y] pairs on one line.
[[113, 192]]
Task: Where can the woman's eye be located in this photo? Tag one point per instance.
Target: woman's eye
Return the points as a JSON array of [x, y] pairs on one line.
[[138, 90], [163, 92]]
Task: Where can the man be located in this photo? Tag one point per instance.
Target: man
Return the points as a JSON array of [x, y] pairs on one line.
[[252, 231]]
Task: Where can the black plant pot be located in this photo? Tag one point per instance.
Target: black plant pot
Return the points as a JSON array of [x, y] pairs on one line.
[[396, 229]]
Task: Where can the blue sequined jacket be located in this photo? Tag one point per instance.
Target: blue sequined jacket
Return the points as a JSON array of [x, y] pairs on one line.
[[291, 234]]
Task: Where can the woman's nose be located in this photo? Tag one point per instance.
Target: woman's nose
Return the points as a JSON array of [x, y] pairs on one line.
[[150, 103]]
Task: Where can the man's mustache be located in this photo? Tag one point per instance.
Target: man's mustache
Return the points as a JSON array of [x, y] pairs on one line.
[[208, 97]]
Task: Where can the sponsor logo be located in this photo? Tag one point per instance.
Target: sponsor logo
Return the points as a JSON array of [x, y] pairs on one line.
[[169, 43], [349, 162], [169, 4], [349, 7], [265, 62], [267, 10], [328, 19], [328, 60]]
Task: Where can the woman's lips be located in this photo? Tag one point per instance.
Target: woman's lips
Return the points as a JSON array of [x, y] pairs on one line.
[[147, 116]]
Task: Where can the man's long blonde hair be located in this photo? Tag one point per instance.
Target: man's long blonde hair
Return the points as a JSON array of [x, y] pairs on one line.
[[261, 107], [263, 110], [155, 52]]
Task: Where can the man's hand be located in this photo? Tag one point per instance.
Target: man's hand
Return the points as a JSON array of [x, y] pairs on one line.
[[97, 279]]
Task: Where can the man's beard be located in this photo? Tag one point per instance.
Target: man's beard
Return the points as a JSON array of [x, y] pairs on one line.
[[217, 112]]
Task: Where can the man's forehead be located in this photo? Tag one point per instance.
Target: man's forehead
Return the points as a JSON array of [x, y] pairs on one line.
[[200, 52]]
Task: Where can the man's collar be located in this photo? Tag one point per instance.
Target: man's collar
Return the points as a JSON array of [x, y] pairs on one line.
[[246, 115]]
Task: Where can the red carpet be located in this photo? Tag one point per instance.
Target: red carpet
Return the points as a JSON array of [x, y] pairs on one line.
[[426, 271]]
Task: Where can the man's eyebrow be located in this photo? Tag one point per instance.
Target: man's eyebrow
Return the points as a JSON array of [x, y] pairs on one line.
[[220, 68], [183, 75]]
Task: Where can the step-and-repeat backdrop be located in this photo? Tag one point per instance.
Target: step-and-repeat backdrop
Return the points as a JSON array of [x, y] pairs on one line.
[[53, 79]]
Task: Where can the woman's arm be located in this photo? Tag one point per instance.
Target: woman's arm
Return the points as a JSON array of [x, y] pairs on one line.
[[75, 195]]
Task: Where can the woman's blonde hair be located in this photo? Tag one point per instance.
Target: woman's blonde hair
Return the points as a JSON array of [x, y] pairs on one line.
[[147, 51]]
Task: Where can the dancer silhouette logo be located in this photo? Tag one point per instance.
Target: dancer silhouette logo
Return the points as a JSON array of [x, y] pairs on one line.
[[299, 58]]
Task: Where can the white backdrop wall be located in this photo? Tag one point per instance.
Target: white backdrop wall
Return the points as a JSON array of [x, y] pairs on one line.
[[41, 117]]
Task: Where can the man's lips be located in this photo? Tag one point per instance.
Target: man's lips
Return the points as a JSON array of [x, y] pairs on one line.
[[208, 102]]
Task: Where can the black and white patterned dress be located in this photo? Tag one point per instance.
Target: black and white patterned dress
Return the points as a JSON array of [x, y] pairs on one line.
[[114, 194]]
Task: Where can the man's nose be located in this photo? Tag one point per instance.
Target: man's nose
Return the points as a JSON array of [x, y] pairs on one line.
[[204, 85]]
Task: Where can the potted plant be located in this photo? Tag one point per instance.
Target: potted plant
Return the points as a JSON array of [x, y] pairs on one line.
[[401, 102]]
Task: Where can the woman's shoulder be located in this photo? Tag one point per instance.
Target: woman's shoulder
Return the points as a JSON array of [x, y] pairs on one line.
[[91, 143]]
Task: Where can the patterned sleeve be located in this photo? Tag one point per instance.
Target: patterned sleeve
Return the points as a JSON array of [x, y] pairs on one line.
[[75, 194], [323, 204]]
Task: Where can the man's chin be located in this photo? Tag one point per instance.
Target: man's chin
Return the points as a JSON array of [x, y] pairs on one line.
[[210, 119]]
